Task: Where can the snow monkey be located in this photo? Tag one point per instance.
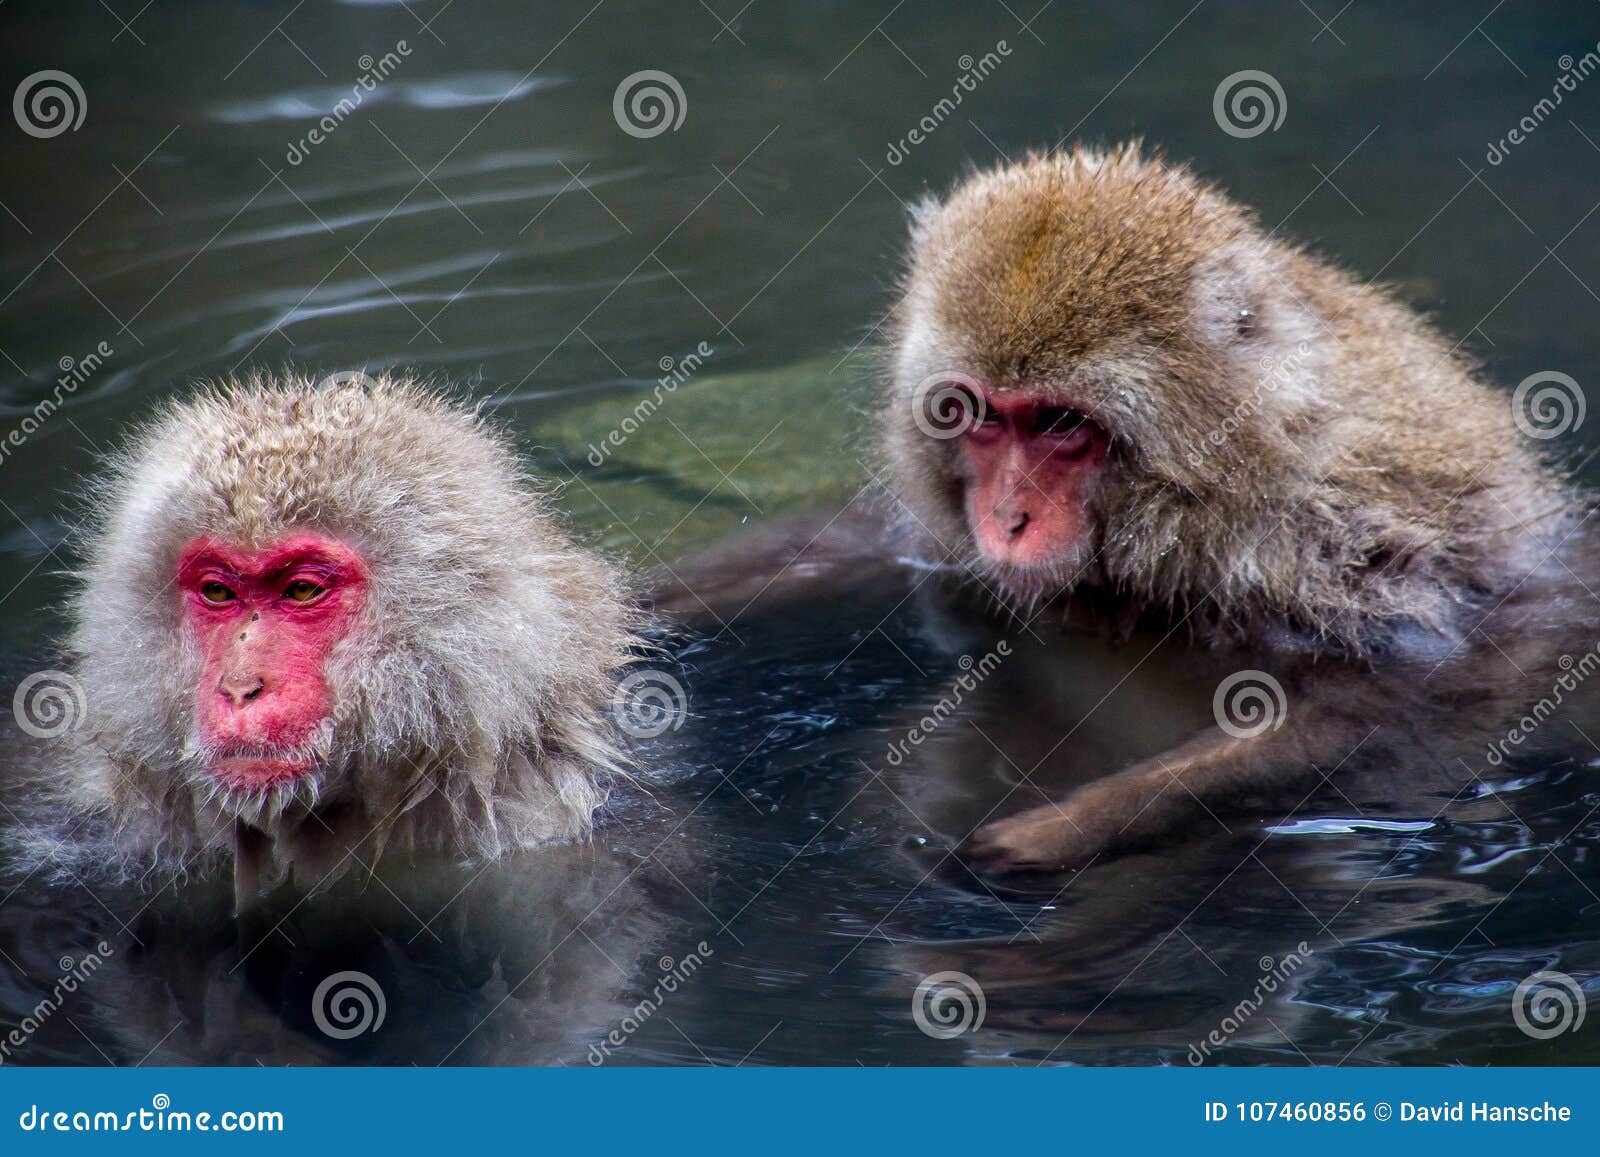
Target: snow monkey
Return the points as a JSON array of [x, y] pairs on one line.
[[321, 620], [1109, 389]]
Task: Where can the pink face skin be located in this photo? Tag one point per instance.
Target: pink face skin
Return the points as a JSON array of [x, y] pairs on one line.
[[1030, 461], [265, 621]]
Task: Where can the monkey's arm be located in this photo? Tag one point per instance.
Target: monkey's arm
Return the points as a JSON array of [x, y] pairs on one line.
[[769, 568], [1199, 783]]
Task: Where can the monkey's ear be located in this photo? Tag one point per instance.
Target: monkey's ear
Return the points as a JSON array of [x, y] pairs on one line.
[[1226, 297], [1244, 309]]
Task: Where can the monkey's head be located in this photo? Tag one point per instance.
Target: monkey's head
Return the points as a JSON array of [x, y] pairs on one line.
[[1104, 373], [334, 615]]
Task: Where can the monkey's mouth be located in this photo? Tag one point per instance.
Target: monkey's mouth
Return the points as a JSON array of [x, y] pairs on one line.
[[258, 769]]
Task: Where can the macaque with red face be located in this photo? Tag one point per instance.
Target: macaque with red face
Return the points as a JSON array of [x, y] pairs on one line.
[[319, 621], [1112, 394]]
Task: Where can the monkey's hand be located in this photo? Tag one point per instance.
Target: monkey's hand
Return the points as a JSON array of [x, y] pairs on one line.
[[1093, 822]]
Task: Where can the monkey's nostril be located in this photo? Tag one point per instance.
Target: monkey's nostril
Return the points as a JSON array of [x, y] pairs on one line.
[[237, 689], [1016, 523]]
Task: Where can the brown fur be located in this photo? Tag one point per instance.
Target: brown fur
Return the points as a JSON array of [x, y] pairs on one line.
[[1324, 462], [1298, 462]]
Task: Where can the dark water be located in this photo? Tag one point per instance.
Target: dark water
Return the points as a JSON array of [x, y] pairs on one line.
[[483, 217]]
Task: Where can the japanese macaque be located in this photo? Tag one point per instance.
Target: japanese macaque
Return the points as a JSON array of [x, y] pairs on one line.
[[318, 621], [1111, 391]]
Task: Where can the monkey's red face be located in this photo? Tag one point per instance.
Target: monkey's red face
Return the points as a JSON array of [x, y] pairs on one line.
[[265, 621], [1029, 463]]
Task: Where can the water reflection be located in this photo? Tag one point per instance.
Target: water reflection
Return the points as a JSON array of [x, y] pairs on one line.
[[802, 851]]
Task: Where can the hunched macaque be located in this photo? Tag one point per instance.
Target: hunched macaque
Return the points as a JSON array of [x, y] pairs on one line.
[[321, 620], [1112, 393]]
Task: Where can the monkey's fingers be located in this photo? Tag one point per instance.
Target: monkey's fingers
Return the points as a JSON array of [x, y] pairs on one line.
[[1041, 839]]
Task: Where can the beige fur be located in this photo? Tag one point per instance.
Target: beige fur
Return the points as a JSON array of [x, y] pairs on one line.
[[469, 701]]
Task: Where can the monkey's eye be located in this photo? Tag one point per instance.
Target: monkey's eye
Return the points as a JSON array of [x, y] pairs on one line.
[[303, 591], [1056, 420], [216, 593], [982, 414]]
